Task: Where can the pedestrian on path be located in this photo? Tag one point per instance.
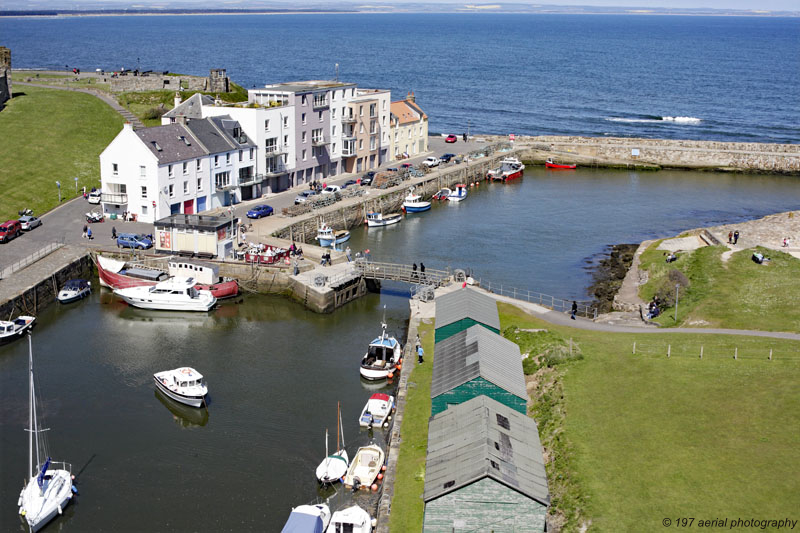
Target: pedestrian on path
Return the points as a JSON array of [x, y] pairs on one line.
[[89, 233], [574, 309], [113, 232], [420, 353], [417, 343], [347, 253], [422, 271], [730, 237], [735, 236], [85, 228], [414, 275]]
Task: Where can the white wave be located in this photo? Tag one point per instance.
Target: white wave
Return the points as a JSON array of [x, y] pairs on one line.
[[676, 120], [683, 120]]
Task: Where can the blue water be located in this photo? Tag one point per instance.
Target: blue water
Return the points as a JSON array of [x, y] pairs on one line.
[[723, 78]]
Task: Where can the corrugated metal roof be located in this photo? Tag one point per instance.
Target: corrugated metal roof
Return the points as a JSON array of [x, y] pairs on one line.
[[466, 303], [171, 143], [480, 438], [477, 352]]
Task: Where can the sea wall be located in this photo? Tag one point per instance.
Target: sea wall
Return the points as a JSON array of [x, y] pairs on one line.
[[704, 155]]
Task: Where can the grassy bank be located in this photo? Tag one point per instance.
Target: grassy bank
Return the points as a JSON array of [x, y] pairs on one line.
[[407, 504], [150, 105], [633, 439], [47, 136], [736, 293]]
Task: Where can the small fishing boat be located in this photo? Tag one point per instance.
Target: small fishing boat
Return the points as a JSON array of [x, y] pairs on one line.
[[308, 519], [73, 290], [334, 466], [382, 356], [116, 274], [352, 519], [14, 329], [459, 193], [49, 488], [183, 385], [558, 166], [175, 294], [328, 237], [510, 168], [442, 194], [378, 220], [414, 203], [377, 411], [365, 467]]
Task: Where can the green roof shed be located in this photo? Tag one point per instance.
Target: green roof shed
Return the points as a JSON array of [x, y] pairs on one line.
[[484, 471], [464, 308]]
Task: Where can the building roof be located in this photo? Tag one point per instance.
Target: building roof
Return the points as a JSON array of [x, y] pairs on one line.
[[171, 143], [467, 303], [307, 86], [484, 438], [233, 130], [192, 107], [477, 352], [407, 111], [212, 138], [200, 222]]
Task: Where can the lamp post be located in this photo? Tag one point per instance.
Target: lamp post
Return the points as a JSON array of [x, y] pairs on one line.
[[676, 301], [58, 184]]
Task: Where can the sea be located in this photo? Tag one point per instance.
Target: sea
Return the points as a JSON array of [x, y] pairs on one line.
[[676, 77]]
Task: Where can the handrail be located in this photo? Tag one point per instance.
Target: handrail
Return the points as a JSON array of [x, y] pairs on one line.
[[400, 272], [22, 263], [545, 300]]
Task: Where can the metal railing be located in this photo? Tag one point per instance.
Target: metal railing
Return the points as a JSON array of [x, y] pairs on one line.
[[404, 273], [19, 265], [585, 309]]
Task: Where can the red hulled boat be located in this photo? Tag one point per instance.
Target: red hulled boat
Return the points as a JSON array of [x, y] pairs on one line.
[[550, 164]]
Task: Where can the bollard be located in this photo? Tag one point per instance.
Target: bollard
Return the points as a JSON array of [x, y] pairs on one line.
[[735, 353], [701, 352], [634, 347], [669, 349], [770, 354]]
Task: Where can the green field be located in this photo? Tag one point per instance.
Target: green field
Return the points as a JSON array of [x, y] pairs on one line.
[[645, 437], [738, 294], [51, 135]]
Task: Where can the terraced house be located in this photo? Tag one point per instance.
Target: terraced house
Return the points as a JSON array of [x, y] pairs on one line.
[[409, 128]]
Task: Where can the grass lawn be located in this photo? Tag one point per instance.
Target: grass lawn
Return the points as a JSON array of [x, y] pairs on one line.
[[144, 104], [737, 294], [648, 438], [47, 136], [407, 504]]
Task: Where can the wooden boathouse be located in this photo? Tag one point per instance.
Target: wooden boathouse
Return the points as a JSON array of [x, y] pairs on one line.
[[477, 362], [484, 471], [463, 309]]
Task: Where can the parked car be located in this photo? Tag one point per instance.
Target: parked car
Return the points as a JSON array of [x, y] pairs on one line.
[[348, 183], [391, 169], [431, 162], [94, 197], [304, 196], [331, 189], [28, 222], [446, 158], [133, 240], [260, 211], [9, 230], [367, 178], [451, 138], [405, 165]]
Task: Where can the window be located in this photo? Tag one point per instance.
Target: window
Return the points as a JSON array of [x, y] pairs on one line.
[[320, 116], [383, 105], [144, 191], [142, 171], [494, 465], [115, 169], [271, 145], [316, 135], [185, 187], [266, 125], [503, 421], [334, 147], [333, 112], [373, 126], [285, 140], [171, 171], [285, 122], [216, 161], [199, 164], [304, 154], [199, 184], [228, 158], [449, 484], [240, 156], [303, 137], [251, 154], [373, 109], [222, 179], [334, 131], [372, 143], [144, 210], [303, 118], [361, 144], [361, 111], [303, 101], [171, 190]]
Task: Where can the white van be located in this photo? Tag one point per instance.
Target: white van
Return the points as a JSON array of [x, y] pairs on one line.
[[94, 197]]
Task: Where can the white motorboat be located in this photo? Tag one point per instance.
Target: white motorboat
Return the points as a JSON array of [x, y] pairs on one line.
[[414, 203], [382, 356], [377, 411], [174, 294], [334, 466], [73, 290], [308, 519], [378, 220], [328, 237], [14, 329], [352, 519], [458, 193], [49, 488], [183, 385], [365, 467]]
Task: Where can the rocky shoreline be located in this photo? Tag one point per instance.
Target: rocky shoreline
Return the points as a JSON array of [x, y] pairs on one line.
[[608, 274]]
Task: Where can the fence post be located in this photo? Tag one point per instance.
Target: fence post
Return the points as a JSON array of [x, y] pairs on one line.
[[770, 354], [570, 346], [736, 353], [701, 352], [669, 349], [634, 347]]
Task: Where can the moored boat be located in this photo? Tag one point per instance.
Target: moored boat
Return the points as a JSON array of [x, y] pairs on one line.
[[184, 385], [207, 277], [382, 356], [334, 466], [365, 467], [352, 519], [414, 203], [308, 519], [378, 220], [73, 290], [327, 236], [459, 193], [558, 166], [116, 274], [49, 489], [510, 168], [175, 294], [14, 329], [442, 194], [377, 411]]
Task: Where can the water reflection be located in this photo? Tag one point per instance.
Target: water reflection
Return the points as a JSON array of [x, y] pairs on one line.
[[185, 416]]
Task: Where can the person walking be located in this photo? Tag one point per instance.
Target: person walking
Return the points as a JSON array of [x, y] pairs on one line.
[[730, 237], [574, 309], [347, 253], [422, 271], [420, 353], [735, 236], [85, 228], [89, 233], [113, 232], [414, 275]]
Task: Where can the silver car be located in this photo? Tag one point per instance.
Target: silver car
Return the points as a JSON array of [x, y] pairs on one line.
[[29, 222], [304, 196]]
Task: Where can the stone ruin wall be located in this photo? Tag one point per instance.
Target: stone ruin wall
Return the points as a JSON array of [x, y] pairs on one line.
[[216, 82], [5, 76]]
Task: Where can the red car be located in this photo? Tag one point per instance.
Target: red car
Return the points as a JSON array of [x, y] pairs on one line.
[[451, 139]]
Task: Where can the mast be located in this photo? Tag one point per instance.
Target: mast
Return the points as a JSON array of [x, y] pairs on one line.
[[337, 425], [30, 407], [340, 426]]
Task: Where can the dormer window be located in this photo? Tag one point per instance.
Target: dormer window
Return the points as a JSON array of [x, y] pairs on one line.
[[185, 140]]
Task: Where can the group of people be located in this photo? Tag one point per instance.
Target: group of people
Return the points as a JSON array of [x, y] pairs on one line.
[[326, 259], [417, 276], [295, 251], [733, 237], [87, 232], [786, 242], [653, 310], [316, 186]]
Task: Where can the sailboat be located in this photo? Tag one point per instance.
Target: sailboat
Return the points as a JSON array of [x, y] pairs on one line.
[[49, 488], [334, 467]]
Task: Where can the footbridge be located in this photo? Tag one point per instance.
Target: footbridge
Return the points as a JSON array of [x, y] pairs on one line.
[[405, 273]]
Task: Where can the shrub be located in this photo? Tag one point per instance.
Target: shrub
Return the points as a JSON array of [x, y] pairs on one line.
[[666, 289], [154, 113]]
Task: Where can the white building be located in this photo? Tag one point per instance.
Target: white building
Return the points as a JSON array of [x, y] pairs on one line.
[[409, 128]]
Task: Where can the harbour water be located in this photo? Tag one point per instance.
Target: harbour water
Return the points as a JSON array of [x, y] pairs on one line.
[[676, 77]]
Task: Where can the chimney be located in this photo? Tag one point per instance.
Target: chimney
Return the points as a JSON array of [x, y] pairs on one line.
[[177, 99], [181, 119], [127, 126], [410, 97]]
